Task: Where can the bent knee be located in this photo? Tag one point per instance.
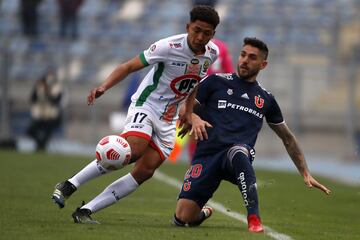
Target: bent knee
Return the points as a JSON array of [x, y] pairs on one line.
[[187, 211], [236, 150], [242, 149]]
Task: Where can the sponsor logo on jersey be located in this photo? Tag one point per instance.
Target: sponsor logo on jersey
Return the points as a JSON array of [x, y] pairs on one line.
[[259, 102], [195, 61], [230, 91], [175, 45], [178, 64], [184, 84], [245, 96], [137, 126], [181, 86], [222, 104], [225, 104]]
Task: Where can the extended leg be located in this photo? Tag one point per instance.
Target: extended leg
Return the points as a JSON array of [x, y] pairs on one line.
[[143, 170], [240, 161], [65, 189]]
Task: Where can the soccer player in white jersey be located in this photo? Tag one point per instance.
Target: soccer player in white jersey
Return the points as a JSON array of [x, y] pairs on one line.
[[179, 63]]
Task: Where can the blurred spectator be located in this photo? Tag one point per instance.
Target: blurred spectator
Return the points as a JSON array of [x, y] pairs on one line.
[[68, 13], [224, 62], [131, 89], [46, 109], [29, 17]]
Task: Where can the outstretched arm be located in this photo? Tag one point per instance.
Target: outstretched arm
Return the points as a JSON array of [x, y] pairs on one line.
[[119, 73], [293, 148]]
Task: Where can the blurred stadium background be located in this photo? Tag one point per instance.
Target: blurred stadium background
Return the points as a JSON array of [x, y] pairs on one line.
[[313, 72]]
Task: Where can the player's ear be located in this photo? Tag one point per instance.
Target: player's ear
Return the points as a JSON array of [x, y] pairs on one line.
[[264, 64], [214, 33], [187, 27]]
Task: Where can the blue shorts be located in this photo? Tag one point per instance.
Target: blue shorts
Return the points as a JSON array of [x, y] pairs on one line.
[[205, 174]]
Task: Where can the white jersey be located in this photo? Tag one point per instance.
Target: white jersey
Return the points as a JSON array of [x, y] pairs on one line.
[[175, 73]]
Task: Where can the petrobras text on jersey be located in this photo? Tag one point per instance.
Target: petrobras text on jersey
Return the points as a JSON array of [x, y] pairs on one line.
[[225, 104]]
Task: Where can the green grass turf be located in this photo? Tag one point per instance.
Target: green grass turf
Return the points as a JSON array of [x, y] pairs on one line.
[[286, 205]]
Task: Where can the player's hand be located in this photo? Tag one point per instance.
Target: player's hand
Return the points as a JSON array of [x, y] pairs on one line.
[[198, 128], [184, 125], [184, 117], [311, 182], [184, 130], [95, 93]]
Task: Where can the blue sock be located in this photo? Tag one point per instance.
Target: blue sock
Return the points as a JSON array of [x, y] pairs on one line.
[[240, 161]]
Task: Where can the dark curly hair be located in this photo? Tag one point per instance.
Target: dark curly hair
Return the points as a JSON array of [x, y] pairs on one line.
[[206, 14]]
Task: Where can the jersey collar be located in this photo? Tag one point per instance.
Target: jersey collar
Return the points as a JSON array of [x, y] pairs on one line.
[[242, 80]]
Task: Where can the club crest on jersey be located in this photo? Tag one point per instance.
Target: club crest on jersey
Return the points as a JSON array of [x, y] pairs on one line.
[[206, 65], [259, 102], [230, 91], [184, 84]]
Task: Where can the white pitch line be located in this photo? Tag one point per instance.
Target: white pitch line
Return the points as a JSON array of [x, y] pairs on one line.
[[221, 208]]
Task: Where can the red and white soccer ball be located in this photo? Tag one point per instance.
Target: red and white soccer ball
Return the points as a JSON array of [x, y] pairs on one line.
[[113, 152]]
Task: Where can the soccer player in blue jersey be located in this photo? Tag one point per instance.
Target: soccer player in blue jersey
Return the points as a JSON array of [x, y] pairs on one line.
[[232, 109]]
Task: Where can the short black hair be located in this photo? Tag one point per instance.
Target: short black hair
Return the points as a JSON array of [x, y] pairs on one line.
[[206, 14], [252, 41]]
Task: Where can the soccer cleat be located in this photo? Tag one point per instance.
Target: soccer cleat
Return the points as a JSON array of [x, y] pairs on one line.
[[82, 215], [207, 212], [254, 224], [62, 191]]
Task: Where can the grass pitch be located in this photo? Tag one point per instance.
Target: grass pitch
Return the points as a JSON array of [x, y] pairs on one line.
[[286, 205]]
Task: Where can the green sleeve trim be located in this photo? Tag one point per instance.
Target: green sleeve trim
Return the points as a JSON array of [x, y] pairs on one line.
[[143, 60], [149, 89]]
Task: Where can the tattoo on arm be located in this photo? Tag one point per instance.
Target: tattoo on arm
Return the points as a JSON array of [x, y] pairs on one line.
[[292, 147]]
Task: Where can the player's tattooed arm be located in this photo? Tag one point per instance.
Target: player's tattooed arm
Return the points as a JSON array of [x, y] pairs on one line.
[[293, 148]]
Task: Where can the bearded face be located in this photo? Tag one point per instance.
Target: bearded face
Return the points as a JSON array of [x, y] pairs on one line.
[[250, 62]]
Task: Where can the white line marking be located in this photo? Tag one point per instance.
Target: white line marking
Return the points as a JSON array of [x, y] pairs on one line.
[[221, 208]]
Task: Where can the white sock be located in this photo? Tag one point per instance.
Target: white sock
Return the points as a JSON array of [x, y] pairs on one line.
[[113, 193], [91, 171]]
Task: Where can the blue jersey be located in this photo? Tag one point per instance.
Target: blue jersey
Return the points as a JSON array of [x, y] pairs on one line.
[[235, 108]]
